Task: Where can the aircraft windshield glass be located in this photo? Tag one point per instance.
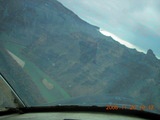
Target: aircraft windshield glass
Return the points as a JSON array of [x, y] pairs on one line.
[[82, 52]]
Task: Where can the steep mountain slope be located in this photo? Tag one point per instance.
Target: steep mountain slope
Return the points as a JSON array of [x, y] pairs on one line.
[[75, 55]]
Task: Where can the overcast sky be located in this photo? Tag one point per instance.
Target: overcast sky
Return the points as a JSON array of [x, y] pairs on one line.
[[136, 21]]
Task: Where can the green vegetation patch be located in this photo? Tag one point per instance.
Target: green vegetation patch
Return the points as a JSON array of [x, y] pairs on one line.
[[50, 90]]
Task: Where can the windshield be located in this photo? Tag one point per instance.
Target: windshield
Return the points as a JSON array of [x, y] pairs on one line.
[[82, 52]]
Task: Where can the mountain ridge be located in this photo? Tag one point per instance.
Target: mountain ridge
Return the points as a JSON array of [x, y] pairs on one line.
[[76, 55]]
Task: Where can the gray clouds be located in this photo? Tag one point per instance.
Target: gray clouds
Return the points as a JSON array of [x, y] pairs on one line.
[[136, 21]]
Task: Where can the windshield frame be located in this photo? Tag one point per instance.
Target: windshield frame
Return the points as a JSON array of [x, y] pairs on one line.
[[17, 100]]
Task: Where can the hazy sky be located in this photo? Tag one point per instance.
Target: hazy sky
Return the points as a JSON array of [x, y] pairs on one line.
[[136, 21]]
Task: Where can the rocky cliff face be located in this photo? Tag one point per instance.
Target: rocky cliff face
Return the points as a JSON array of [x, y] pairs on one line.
[[76, 55]]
